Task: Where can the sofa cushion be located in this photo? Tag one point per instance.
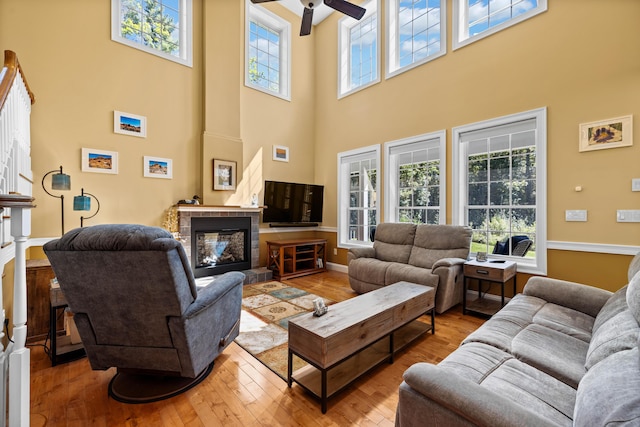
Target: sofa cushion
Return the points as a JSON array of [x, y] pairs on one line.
[[615, 329], [393, 241], [434, 242], [500, 330], [559, 355], [565, 320], [514, 380], [609, 393], [404, 272]]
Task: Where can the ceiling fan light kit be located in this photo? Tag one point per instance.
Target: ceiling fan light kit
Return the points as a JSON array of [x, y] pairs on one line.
[[341, 6]]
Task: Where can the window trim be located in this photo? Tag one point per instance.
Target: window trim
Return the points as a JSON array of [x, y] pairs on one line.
[[280, 25], [344, 25], [344, 195], [392, 67], [459, 186], [186, 36], [460, 34], [441, 136]]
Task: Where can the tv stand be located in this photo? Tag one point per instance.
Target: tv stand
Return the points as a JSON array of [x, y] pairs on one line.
[[292, 258], [293, 224]]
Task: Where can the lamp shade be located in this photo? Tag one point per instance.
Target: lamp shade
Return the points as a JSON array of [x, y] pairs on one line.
[[81, 203], [60, 181]]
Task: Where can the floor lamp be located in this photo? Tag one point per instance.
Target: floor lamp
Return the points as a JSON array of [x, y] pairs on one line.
[[59, 181], [83, 203]]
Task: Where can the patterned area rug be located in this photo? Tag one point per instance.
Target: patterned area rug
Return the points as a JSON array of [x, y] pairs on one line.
[[266, 311]]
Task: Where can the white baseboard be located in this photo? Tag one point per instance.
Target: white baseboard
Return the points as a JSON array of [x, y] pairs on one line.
[[337, 267]]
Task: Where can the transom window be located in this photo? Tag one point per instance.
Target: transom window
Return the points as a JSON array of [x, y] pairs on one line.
[[359, 51], [499, 186], [358, 195], [415, 188], [476, 19], [267, 52], [159, 27], [416, 33]]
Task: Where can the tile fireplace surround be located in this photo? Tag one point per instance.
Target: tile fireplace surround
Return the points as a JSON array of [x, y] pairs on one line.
[[186, 212]]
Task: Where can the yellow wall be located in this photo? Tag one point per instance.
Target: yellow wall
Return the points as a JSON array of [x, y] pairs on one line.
[[579, 62], [575, 60]]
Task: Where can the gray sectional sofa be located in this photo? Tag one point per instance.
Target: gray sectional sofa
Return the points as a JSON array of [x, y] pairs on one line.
[[559, 354], [430, 255]]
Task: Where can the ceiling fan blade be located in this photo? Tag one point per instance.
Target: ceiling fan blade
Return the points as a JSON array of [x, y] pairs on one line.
[[307, 22], [347, 8], [261, 1]]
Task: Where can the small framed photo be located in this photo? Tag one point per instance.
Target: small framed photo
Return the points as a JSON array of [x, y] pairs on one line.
[[99, 161], [609, 133], [224, 175], [129, 124], [280, 153], [157, 167]]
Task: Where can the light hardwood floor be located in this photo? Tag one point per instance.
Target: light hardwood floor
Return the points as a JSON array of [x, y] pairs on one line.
[[240, 391]]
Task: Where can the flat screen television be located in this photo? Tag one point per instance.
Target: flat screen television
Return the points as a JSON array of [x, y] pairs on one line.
[[292, 204]]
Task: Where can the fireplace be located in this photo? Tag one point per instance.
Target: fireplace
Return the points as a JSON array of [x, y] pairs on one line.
[[220, 244]]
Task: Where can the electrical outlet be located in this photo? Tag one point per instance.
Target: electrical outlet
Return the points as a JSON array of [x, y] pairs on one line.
[[335, 251]]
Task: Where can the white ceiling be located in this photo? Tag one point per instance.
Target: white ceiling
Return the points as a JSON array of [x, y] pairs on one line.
[[319, 13]]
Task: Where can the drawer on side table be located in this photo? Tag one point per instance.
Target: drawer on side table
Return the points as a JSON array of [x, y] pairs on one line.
[[490, 270]]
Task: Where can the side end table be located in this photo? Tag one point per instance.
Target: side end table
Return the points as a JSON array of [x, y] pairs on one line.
[[494, 272], [62, 349]]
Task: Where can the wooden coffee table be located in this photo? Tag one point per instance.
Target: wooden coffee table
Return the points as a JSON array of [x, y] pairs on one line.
[[356, 335]]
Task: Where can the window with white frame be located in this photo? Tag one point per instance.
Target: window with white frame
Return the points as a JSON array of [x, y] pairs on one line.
[[358, 195], [415, 184], [159, 27], [476, 19], [499, 187], [416, 33], [359, 51], [267, 51]]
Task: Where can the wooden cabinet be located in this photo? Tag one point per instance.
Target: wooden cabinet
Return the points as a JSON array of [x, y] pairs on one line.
[[291, 258], [39, 275]]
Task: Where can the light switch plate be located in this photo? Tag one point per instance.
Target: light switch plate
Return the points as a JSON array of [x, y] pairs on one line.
[[635, 184], [628, 215], [575, 215]]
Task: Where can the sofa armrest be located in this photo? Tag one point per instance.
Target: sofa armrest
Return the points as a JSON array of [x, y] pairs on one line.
[[447, 262], [583, 298], [481, 406], [355, 253], [216, 289]]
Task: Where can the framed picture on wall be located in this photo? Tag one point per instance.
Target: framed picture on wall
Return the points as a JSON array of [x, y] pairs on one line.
[[609, 133], [129, 124], [99, 161], [280, 153], [224, 175], [157, 167]]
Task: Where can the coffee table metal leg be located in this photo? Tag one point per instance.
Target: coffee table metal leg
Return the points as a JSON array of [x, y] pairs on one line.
[[289, 368], [391, 349], [324, 391], [433, 321]]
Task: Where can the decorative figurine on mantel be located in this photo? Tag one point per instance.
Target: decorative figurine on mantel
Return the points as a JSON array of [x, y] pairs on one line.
[[254, 200]]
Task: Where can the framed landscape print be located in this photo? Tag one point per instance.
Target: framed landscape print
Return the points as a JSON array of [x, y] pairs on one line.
[[157, 167], [129, 124], [280, 153], [609, 133], [99, 161], [224, 175]]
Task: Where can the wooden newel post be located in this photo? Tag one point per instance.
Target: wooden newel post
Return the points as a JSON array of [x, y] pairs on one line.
[[19, 365]]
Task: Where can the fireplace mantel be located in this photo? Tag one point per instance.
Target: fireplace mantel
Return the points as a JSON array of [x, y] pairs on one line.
[[214, 208]]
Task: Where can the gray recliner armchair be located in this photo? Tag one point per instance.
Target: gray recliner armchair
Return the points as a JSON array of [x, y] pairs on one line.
[[137, 308]]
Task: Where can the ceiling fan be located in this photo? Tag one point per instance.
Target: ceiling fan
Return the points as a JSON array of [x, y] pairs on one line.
[[343, 6]]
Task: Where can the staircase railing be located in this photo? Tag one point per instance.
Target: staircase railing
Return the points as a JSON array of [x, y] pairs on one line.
[[16, 181]]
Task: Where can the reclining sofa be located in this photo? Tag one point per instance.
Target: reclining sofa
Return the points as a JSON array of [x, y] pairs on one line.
[[559, 354], [430, 255]]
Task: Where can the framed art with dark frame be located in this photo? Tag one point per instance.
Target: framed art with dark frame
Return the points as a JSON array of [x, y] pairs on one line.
[[609, 133], [224, 174]]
